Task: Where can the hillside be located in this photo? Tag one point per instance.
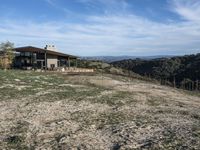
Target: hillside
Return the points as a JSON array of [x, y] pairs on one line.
[[100, 111], [109, 59], [184, 70]]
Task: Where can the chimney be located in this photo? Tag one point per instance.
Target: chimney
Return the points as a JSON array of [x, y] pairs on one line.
[[50, 47]]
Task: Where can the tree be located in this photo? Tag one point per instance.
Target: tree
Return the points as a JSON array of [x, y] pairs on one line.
[[6, 54]]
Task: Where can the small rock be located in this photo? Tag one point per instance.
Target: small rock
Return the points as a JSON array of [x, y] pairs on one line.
[[17, 80]]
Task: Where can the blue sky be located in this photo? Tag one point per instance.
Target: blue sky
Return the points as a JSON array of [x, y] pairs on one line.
[[104, 27]]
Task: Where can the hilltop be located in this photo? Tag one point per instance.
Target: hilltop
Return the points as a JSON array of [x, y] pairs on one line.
[[98, 111]]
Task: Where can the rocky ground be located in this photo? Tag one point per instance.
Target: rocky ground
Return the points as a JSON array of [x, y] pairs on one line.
[[57, 111]]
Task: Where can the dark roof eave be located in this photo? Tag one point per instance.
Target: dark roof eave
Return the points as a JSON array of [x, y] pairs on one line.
[[36, 49]]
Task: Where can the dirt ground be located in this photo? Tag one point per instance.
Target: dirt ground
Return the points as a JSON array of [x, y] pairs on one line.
[[55, 111]]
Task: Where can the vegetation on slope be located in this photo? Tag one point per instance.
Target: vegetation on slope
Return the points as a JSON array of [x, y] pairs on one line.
[[182, 72], [106, 68]]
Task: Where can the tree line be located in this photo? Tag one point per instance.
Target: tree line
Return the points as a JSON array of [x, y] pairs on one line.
[[181, 72]]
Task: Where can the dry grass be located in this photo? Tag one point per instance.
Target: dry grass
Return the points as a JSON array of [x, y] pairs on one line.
[[55, 111]]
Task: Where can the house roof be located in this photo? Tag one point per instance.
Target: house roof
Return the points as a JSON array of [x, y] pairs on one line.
[[40, 50]]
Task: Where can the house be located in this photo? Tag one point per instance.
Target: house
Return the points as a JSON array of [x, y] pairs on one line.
[[47, 58]]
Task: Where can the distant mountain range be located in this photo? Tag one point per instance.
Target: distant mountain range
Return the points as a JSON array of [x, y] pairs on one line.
[[110, 59]]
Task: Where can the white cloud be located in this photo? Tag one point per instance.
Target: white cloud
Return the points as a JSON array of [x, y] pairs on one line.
[[110, 34], [188, 9]]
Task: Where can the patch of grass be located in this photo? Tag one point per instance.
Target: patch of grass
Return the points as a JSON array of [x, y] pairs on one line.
[[101, 120], [118, 98], [183, 112], [156, 101], [16, 142], [195, 116], [17, 139], [10, 93], [110, 119], [171, 142], [56, 95], [174, 138], [192, 93], [83, 117], [88, 95], [20, 127], [180, 104], [18, 84], [196, 132], [69, 93], [10, 76], [190, 114], [152, 102], [143, 120]]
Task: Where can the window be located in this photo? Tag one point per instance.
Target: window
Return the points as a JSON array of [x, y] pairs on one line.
[[28, 54], [22, 54]]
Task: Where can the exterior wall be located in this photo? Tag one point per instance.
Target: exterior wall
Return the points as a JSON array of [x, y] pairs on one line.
[[52, 60]]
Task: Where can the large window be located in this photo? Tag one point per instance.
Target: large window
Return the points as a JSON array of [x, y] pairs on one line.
[[27, 54]]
